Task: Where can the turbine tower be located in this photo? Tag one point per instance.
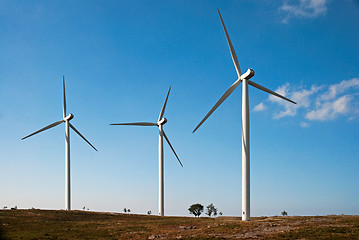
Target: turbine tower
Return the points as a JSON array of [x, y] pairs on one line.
[[160, 122], [66, 120], [245, 80]]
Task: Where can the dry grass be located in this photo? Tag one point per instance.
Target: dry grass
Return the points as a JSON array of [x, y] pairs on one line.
[[45, 224]]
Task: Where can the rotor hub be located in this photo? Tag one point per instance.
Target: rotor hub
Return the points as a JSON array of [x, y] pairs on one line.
[[249, 74], [69, 117], [162, 121]]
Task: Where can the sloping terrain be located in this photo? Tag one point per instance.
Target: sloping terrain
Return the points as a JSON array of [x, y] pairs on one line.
[[52, 224]]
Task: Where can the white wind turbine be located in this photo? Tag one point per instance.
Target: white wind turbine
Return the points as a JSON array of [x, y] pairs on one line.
[[160, 122], [66, 120], [245, 120]]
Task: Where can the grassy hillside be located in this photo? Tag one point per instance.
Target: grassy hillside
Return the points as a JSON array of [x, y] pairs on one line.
[[46, 224]]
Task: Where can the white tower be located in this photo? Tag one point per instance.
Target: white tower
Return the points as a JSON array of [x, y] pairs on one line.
[[245, 79], [160, 122], [66, 120]]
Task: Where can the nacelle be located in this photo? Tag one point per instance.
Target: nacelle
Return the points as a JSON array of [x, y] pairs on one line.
[[69, 117], [162, 121], [247, 75]]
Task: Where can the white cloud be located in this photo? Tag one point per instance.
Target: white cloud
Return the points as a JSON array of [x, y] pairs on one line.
[[289, 111], [304, 124], [259, 107], [330, 104], [303, 8], [282, 90], [301, 97], [340, 88], [341, 105], [319, 103], [330, 110]]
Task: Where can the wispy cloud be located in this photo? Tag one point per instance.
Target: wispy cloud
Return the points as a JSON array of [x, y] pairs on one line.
[[303, 8], [302, 97], [318, 103], [304, 124], [330, 110], [259, 107], [332, 103], [336, 89]]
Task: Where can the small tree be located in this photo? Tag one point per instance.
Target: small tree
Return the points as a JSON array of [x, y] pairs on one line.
[[284, 213], [196, 209], [128, 210], [125, 210], [215, 212], [211, 210], [84, 208], [149, 212], [220, 213]]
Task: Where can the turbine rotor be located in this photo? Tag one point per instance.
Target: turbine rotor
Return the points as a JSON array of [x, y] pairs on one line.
[[162, 122], [69, 117], [248, 75]]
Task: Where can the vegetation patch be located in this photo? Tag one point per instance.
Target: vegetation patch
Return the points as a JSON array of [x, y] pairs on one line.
[[45, 224]]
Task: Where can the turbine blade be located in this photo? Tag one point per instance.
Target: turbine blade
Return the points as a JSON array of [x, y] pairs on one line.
[[256, 85], [136, 124], [64, 97], [164, 106], [168, 141], [233, 53], [224, 96], [73, 128], [45, 128]]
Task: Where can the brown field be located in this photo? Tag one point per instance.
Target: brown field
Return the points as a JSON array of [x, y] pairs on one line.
[[51, 224]]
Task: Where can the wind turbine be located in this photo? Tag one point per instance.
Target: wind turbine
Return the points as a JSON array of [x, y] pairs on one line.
[[160, 122], [66, 120], [244, 79]]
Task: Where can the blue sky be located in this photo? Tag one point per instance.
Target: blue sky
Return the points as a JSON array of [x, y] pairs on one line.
[[120, 57]]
